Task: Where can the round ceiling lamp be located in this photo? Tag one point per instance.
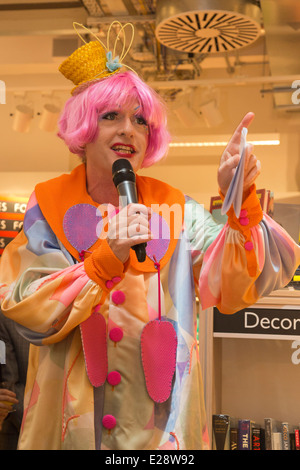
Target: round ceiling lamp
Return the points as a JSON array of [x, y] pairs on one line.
[[49, 117], [22, 117], [207, 26]]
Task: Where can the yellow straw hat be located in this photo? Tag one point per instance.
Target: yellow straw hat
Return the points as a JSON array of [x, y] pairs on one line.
[[94, 61]]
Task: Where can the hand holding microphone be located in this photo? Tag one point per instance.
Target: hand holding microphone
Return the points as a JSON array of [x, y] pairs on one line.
[[130, 227]]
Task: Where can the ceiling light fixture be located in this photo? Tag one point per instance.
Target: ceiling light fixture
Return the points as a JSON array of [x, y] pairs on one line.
[[223, 143], [49, 117], [207, 26], [22, 118]]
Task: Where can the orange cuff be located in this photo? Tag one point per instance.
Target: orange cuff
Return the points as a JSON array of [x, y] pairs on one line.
[[250, 216], [251, 212], [104, 268]]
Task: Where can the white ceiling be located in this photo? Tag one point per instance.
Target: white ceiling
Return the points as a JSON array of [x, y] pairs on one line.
[[36, 35]]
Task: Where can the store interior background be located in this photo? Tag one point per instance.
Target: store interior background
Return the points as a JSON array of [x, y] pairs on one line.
[[36, 36], [33, 35]]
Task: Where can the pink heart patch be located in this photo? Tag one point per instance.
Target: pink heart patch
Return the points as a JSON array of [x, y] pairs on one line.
[[93, 337], [158, 347]]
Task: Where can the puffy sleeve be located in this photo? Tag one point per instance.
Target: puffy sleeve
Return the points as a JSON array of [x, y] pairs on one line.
[[247, 258], [44, 289]]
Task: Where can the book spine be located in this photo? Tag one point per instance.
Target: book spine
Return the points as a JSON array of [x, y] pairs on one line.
[[244, 435], [297, 439], [268, 434], [292, 441], [233, 439], [276, 441], [256, 441], [285, 436], [221, 432]]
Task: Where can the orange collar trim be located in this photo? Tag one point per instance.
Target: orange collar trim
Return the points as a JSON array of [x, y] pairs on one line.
[[56, 196]]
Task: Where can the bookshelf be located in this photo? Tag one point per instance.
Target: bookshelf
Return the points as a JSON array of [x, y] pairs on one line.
[[254, 374]]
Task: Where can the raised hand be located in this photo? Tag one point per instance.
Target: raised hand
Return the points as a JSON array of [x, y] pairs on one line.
[[231, 157]]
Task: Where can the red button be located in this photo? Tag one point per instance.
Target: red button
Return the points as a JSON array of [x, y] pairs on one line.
[[116, 279], [248, 246], [118, 297], [243, 213], [109, 284], [116, 334], [114, 378], [109, 421], [244, 220]]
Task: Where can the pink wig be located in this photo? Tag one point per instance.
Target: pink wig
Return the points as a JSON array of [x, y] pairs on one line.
[[78, 124]]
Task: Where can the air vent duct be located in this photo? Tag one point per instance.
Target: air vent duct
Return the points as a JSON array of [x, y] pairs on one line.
[[207, 26]]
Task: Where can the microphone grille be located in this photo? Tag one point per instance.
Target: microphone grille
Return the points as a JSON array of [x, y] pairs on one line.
[[121, 163], [122, 171]]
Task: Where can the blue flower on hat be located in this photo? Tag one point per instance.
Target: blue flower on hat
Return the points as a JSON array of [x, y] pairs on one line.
[[112, 64]]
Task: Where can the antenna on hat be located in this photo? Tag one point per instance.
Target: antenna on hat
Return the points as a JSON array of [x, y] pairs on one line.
[[95, 60]]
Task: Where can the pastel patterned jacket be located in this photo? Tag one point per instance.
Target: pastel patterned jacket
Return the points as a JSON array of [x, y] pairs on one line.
[[114, 359]]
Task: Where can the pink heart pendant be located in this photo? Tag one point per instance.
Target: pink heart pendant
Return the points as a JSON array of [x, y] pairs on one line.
[[158, 347]]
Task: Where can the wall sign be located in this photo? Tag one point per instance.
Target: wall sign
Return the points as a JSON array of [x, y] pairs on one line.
[[272, 323], [12, 210]]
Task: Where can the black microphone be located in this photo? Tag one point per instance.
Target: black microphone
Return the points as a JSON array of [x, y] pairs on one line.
[[124, 181]]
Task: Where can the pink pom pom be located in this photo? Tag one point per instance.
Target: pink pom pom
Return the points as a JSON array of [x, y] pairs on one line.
[[248, 246], [244, 221], [109, 284], [116, 334], [109, 421], [118, 297], [114, 378]]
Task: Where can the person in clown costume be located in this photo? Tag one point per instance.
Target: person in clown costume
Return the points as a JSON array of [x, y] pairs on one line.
[[113, 361]]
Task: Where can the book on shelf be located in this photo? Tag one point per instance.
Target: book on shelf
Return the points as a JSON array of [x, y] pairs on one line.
[[271, 426], [266, 199], [221, 432], [297, 439], [215, 209], [230, 433], [233, 439], [292, 441], [234, 433], [285, 431], [245, 428], [265, 196], [258, 435], [276, 441]]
